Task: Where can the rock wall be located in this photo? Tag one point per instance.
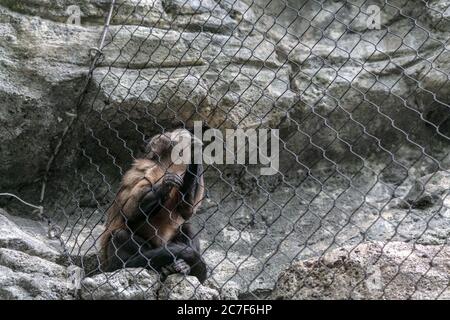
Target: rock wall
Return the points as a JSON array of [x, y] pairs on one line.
[[331, 84], [363, 116]]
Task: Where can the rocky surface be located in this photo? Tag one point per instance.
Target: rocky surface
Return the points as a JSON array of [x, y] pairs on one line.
[[367, 270], [375, 270], [228, 63], [24, 277], [179, 287], [363, 114], [14, 237], [32, 267], [125, 284], [29, 267], [430, 191]]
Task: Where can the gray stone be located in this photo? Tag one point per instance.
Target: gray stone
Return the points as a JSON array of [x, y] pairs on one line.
[[180, 287], [124, 284], [42, 67], [376, 270], [430, 190], [227, 291], [17, 260], [205, 15], [12, 237], [18, 285], [28, 268]]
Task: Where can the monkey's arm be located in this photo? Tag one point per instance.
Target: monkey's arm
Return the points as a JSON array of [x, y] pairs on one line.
[[192, 190], [152, 202], [154, 197]]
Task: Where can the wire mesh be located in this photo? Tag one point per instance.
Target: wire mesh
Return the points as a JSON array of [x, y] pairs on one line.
[[362, 113]]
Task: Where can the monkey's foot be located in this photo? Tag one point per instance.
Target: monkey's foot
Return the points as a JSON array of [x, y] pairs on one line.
[[179, 266]]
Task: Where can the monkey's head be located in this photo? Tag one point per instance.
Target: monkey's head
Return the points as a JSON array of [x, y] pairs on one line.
[[161, 147]]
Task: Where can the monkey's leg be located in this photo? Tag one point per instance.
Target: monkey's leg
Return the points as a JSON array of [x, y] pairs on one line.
[[195, 261], [175, 256], [169, 256], [122, 247], [130, 251]]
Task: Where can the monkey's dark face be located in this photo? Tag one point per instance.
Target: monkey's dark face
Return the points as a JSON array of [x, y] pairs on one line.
[[160, 148]]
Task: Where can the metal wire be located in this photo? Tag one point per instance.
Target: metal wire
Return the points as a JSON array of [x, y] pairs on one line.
[[155, 73], [6, 194]]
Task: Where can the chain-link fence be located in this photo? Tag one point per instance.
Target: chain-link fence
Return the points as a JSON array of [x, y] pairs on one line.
[[359, 93]]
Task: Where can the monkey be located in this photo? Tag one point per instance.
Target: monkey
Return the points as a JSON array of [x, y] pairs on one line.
[[148, 222]]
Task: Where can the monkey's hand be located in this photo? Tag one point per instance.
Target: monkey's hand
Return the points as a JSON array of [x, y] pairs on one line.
[[155, 195], [172, 180]]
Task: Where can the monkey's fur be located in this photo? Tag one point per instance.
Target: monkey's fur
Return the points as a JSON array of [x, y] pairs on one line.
[[148, 222]]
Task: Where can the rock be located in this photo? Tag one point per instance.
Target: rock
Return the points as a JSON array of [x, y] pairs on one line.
[[29, 267], [375, 270], [228, 291], [60, 10], [180, 287], [151, 13], [430, 190], [13, 237], [124, 284], [190, 6], [18, 285], [205, 15], [23, 276], [41, 72], [17, 260]]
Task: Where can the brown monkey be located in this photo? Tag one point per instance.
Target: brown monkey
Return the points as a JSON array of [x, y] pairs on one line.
[[148, 222]]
